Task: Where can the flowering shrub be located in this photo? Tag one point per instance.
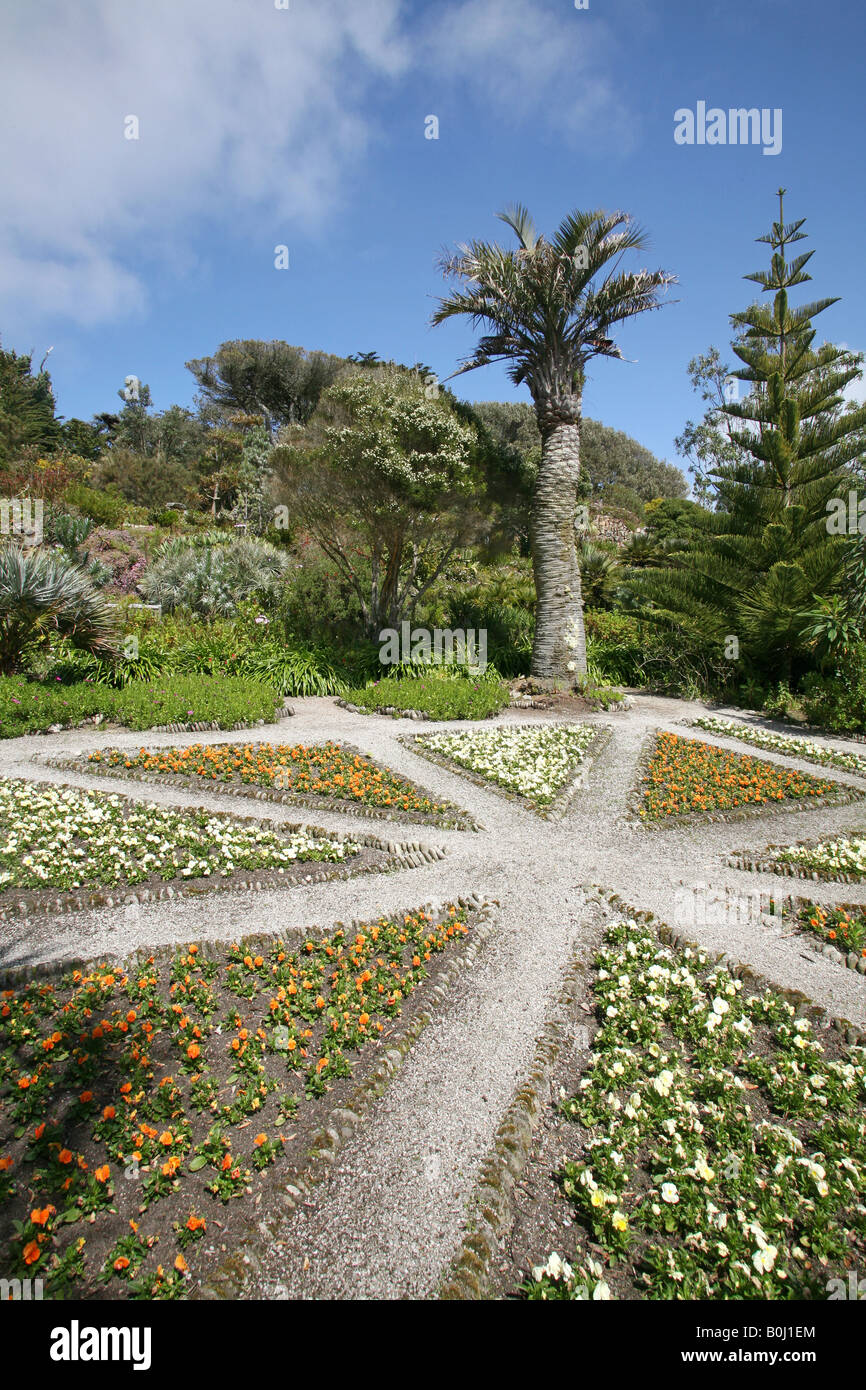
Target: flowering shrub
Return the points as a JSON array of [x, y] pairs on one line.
[[64, 837], [783, 743], [720, 1148], [320, 770], [686, 776], [536, 761], [133, 1100]]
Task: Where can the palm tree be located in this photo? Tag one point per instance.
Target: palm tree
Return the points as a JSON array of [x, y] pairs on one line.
[[548, 314], [41, 593]]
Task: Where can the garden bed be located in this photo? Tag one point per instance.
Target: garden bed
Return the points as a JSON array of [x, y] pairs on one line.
[[540, 766], [429, 697], [330, 776], [837, 929], [179, 703], [65, 848], [790, 747], [152, 1114], [842, 860], [707, 1140], [682, 781]]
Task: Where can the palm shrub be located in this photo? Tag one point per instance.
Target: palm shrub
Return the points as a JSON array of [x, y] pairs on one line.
[[747, 584], [43, 594], [550, 306], [212, 580]]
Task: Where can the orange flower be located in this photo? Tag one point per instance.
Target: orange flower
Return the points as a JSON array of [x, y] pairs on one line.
[[196, 1223], [39, 1131], [260, 1139], [166, 1138], [41, 1215], [180, 1264], [109, 1112], [65, 1156], [31, 1252], [102, 1174], [227, 1162], [121, 1263], [85, 1097], [193, 1051]]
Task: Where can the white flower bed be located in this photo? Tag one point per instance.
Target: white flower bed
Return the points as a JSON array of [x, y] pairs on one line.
[[843, 856], [719, 1149], [536, 762], [64, 837], [783, 743]]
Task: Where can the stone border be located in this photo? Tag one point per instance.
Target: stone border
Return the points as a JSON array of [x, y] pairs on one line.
[[460, 821], [560, 804], [232, 1277], [491, 1205], [401, 855], [779, 752], [634, 802], [394, 713]]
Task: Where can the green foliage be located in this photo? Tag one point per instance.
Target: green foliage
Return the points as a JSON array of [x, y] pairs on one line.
[[757, 567], [104, 508], [437, 695], [33, 706], [26, 407], [382, 479], [43, 593], [213, 579], [279, 383]]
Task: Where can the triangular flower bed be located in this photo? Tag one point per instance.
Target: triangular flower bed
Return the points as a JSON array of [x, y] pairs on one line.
[[70, 848], [542, 765], [840, 858], [683, 779], [329, 776]]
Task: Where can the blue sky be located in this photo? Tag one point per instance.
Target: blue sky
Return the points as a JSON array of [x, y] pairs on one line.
[[305, 126]]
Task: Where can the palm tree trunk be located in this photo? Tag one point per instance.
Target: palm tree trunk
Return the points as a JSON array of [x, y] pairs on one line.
[[559, 647]]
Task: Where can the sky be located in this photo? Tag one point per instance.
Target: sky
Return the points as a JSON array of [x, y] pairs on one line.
[[306, 124]]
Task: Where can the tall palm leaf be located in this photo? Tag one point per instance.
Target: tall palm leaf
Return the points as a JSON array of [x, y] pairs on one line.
[[549, 307]]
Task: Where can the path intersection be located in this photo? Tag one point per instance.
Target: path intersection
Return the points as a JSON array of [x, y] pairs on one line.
[[387, 1223]]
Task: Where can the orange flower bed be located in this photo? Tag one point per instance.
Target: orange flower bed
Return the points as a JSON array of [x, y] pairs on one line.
[[319, 770], [686, 777], [166, 1089]]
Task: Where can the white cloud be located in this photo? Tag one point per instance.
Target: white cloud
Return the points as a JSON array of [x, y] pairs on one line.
[[254, 123], [249, 116], [542, 61]]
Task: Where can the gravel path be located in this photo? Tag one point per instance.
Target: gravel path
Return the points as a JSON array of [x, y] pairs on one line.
[[387, 1222]]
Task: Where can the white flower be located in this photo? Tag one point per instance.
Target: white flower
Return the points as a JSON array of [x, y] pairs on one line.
[[670, 1194], [764, 1258]]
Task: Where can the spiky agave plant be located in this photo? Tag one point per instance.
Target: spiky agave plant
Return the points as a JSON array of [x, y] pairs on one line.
[[43, 593]]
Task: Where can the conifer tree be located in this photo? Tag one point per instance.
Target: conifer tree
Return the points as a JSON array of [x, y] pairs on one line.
[[760, 564]]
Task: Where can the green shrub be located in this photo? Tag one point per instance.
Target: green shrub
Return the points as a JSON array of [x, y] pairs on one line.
[[105, 508], [213, 579], [836, 703], [33, 706], [455, 697]]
